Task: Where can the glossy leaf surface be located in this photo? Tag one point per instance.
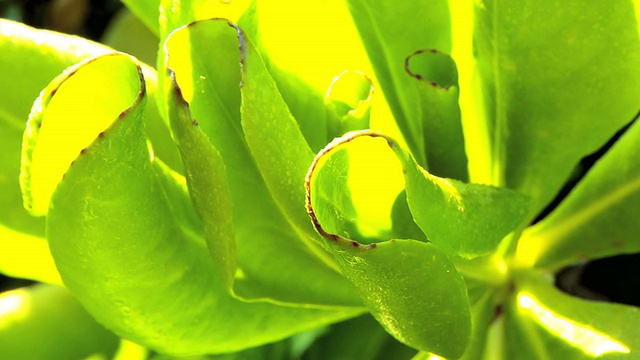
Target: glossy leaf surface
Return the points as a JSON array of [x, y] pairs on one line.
[[598, 218], [388, 45], [210, 85], [112, 210], [554, 90], [465, 220], [435, 79], [31, 58], [412, 288]]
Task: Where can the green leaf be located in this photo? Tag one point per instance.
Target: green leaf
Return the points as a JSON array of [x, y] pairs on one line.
[[542, 322], [175, 14], [35, 321], [483, 311], [598, 218], [146, 10], [354, 198], [411, 287], [436, 81], [556, 89], [273, 136], [388, 44], [26, 49], [348, 100], [360, 338], [207, 78], [402, 224], [31, 58], [128, 33], [26, 256], [309, 111], [130, 261], [465, 220], [54, 138]]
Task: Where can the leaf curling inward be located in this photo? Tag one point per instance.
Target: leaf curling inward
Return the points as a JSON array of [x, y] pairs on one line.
[[209, 83], [58, 130], [464, 220], [404, 282], [432, 66], [348, 98]]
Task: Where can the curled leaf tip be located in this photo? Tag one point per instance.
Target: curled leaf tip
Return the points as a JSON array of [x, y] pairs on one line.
[[348, 137], [432, 67], [57, 115]]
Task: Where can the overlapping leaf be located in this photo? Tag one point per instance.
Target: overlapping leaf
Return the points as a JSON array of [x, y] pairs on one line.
[[435, 79], [465, 220], [31, 58], [598, 218], [443, 209], [277, 256], [418, 107], [131, 261], [348, 101], [556, 89]]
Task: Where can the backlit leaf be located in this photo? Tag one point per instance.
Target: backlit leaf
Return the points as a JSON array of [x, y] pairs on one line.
[[559, 79], [210, 84]]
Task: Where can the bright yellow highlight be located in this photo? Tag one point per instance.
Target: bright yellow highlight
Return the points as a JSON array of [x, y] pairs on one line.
[[227, 9], [27, 257], [9, 303], [14, 306], [539, 239], [375, 179], [130, 351], [581, 336], [324, 44], [84, 105]]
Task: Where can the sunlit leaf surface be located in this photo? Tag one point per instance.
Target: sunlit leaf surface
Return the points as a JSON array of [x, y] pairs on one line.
[[210, 83], [556, 89]]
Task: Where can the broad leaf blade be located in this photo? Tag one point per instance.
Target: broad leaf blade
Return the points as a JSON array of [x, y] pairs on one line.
[[411, 287], [210, 83], [556, 89], [208, 185], [54, 138], [146, 10], [390, 32], [413, 290], [435, 79], [598, 218], [132, 263], [31, 58], [175, 14], [274, 137], [26, 256], [464, 220]]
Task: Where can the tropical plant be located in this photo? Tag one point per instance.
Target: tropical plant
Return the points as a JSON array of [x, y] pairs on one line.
[[223, 204]]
